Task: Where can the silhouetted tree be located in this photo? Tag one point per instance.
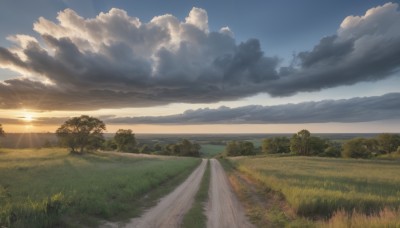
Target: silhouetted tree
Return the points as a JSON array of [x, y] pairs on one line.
[[2, 133], [81, 132], [125, 140]]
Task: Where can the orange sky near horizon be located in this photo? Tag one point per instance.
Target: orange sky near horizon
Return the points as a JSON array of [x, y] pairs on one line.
[[371, 127]]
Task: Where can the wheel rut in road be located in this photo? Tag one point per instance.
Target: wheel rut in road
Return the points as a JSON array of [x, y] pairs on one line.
[[224, 209], [170, 210]]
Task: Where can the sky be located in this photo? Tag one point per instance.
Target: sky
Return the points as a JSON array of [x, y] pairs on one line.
[[201, 66]]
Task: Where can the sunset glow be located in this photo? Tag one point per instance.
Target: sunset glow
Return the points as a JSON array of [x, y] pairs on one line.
[[200, 67]]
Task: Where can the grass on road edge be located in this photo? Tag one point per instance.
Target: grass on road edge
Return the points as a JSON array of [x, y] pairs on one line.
[[196, 217]]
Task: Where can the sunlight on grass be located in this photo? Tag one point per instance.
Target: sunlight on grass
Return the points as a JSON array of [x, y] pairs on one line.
[[37, 186], [318, 187]]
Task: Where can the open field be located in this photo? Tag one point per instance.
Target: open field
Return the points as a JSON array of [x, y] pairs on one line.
[[317, 188], [37, 186], [209, 151]]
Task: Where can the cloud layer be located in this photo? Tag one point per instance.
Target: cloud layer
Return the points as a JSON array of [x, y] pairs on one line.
[[115, 60], [363, 109]]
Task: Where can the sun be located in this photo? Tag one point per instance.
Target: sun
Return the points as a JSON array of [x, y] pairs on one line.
[[28, 117]]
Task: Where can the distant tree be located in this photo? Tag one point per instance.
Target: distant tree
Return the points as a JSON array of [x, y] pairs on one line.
[[2, 133], [171, 149], [317, 146], [300, 142], [125, 140], [145, 149], [187, 148], [110, 144], [371, 145], [276, 145], [157, 147], [356, 148], [81, 132], [195, 150], [235, 148], [47, 144], [334, 149], [246, 148], [232, 149], [388, 142]]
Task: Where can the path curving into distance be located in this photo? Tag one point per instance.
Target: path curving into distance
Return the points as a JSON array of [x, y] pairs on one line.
[[170, 210], [223, 209]]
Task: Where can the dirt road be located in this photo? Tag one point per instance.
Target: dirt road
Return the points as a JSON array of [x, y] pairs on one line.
[[171, 209], [223, 209]]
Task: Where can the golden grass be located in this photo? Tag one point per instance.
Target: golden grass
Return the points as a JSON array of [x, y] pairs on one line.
[[319, 187]]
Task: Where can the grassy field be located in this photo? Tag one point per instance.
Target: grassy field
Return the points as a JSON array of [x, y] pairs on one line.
[[50, 187], [209, 150], [317, 188]]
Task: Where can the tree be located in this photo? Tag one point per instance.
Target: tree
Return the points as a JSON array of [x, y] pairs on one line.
[[81, 132], [2, 133], [125, 140], [300, 142], [187, 148], [157, 147], [145, 149], [247, 148], [334, 149], [388, 142], [240, 148], [317, 146], [232, 149], [110, 145], [276, 145], [356, 148]]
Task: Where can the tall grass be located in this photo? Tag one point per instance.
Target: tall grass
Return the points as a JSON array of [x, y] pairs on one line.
[[319, 187], [48, 187]]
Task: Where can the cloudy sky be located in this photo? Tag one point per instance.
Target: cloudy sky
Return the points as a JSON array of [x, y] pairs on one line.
[[201, 66]]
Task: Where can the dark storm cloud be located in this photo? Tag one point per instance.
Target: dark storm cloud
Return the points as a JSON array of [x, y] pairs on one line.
[[115, 60], [345, 111]]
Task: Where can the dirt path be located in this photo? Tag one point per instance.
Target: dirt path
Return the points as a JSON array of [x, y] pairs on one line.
[[171, 209], [223, 209]]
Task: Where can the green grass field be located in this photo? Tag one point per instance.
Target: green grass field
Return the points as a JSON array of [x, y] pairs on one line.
[[209, 150], [318, 188], [50, 187]]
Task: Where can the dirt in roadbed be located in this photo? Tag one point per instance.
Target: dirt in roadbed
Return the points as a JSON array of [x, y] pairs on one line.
[[223, 209]]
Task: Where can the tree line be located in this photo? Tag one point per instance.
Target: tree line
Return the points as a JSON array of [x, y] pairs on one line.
[[304, 144], [85, 133]]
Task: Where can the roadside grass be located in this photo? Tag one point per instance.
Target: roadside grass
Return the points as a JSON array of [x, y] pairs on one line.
[[209, 150], [50, 187], [195, 217], [325, 188], [264, 207]]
